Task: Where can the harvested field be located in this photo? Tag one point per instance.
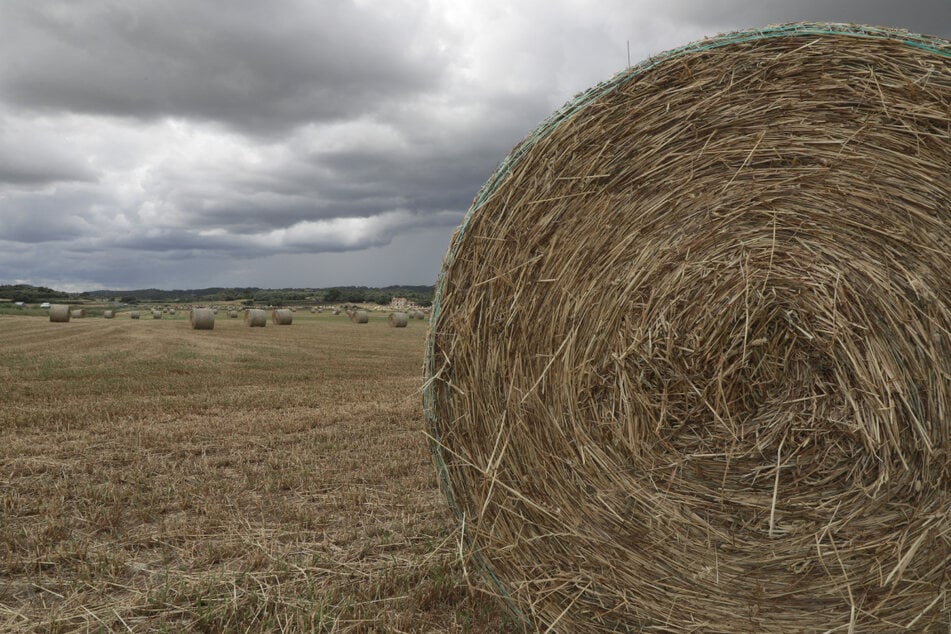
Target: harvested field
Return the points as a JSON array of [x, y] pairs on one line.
[[157, 478]]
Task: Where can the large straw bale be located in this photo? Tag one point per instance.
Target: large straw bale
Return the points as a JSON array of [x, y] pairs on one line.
[[255, 318], [108, 314], [360, 317], [202, 318], [156, 314], [60, 312], [282, 317], [134, 314], [699, 378], [77, 313], [398, 320]]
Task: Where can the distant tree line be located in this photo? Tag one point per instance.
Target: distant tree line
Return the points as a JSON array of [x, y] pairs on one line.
[[422, 295], [30, 294]]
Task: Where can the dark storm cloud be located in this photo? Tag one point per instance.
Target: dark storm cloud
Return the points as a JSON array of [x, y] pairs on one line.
[[932, 17], [257, 66]]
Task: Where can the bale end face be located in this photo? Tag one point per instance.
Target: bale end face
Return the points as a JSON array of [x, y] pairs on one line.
[[60, 313], [698, 376]]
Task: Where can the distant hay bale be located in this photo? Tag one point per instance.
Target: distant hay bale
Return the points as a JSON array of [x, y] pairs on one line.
[[313, 310], [60, 312], [360, 317], [336, 311], [108, 314], [417, 314], [202, 318], [689, 361], [398, 320], [214, 311], [282, 317], [156, 314], [232, 314], [171, 311], [77, 313], [133, 314], [255, 317]]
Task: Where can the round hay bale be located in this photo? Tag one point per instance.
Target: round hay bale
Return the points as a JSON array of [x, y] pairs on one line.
[[417, 314], [156, 314], [232, 314], [60, 312], [718, 397], [134, 314], [108, 314], [202, 318], [282, 316], [255, 317], [336, 311], [398, 320], [214, 311], [360, 317], [77, 313], [171, 311]]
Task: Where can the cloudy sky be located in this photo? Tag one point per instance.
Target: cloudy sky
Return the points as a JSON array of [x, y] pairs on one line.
[[190, 143]]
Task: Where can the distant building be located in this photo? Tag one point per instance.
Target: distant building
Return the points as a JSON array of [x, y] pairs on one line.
[[401, 303]]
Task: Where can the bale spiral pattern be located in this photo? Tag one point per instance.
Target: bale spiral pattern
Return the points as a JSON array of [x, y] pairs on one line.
[[690, 355], [60, 313]]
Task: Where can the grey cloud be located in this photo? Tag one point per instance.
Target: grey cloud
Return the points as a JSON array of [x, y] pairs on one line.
[[931, 17], [260, 67]]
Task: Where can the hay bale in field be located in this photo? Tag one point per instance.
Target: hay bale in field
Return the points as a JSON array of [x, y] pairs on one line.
[[171, 311], [108, 314], [77, 313], [718, 397], [60, 312], [417, 314], [214, 311], [133, 314], [156, 314], [360, 317], [282, 317], [255, 317], [232, 314], [336, 311], [398, 320], [202, 318]]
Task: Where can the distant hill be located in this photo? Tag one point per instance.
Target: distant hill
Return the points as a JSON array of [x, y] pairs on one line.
[[422, 295], [30, 294]]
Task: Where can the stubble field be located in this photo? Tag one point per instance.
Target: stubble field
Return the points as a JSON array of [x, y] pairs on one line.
[[158, 478]]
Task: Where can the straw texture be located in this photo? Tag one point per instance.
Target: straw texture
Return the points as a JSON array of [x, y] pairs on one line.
[[134, 314], [108, 314], [359, 316], [689, 366], [398, 320]]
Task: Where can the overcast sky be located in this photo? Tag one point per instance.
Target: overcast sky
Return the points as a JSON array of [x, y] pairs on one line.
[[190, 143]]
